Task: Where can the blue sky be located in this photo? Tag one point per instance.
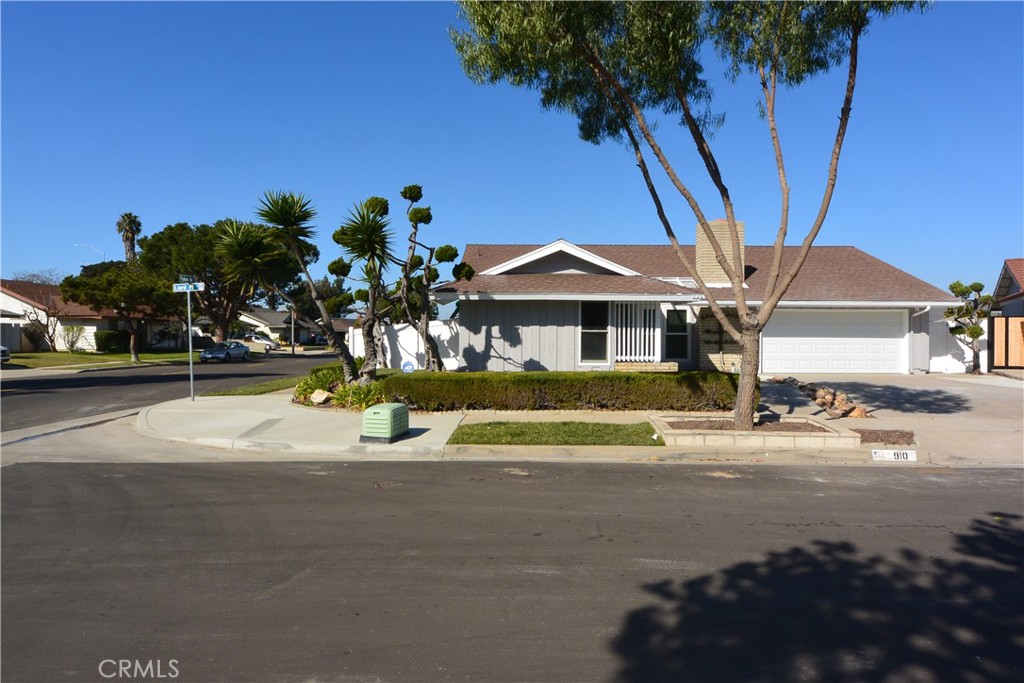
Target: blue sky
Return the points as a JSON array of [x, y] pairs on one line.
[[190, 111]]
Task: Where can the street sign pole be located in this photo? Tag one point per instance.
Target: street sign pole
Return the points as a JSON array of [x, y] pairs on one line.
[[189, 287], [191, 377]]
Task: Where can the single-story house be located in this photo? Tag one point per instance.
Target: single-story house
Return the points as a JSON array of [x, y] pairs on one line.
[[21, 302], [563, 306], [277, 324], [1009, 289]]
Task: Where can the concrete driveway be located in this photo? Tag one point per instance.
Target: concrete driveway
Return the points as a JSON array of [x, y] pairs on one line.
[[954, 417]]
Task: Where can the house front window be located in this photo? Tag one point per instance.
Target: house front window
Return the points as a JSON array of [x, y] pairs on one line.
[[593, 331], [677, 335]]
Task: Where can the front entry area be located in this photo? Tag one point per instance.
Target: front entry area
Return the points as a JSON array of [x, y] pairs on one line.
[[802, 341]]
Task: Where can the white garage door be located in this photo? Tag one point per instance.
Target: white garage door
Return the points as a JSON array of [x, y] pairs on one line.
[[835, 341]]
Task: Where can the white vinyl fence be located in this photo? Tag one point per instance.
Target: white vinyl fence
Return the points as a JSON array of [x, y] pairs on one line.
[[403, 344]]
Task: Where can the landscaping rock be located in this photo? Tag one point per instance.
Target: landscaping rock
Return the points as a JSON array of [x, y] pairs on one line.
[[320, 397]]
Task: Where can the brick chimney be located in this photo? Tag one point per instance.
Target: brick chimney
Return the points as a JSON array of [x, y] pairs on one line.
[[706, 264]]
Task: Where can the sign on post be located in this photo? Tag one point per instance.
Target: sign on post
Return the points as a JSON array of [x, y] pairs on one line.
[[186, 286]]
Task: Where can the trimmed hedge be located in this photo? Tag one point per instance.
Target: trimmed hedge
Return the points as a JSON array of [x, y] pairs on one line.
[[437, 391], [112, 341]]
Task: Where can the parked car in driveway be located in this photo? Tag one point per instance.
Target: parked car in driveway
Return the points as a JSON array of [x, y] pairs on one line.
[[225, 351], [268, 344], [5, 355]]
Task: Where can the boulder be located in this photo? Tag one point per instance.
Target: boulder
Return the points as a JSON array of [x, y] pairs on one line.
[[320, 397]]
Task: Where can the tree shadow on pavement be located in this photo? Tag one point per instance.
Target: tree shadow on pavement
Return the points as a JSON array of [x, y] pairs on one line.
[[827, 613], [873, 397]]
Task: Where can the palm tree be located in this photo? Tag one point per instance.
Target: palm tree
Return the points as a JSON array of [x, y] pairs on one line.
[[249, 255], [365, 237], [288, 216], [129, 227]]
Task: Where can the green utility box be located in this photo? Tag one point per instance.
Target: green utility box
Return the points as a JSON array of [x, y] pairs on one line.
[[385, 423]]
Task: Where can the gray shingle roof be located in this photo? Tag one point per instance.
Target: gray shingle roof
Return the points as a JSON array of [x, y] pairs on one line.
[[840, 274]]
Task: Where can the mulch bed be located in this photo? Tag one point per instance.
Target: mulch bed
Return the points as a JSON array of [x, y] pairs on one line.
[[891, 437], [761, 426]]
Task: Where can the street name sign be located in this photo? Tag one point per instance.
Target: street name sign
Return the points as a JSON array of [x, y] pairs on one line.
[[189, 287]]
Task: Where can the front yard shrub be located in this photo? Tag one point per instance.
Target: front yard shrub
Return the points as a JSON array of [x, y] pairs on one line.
[[326, 378], [202, 342], [112, 341], [689, 391], [358, 396]]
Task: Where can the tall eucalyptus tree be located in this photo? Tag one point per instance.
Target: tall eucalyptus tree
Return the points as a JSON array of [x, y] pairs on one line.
[[614, 64]]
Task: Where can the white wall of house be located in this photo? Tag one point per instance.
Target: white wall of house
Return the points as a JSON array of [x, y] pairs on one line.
[[403, 343], [948, 353], [23, 309], [259, 326]]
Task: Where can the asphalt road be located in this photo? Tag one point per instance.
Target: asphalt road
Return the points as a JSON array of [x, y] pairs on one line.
[[498, 572], [36, 400]]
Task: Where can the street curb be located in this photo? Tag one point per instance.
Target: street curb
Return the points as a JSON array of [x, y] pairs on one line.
[[14, 436]]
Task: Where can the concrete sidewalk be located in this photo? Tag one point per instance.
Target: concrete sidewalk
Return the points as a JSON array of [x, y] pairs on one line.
[[272, 423], [959, 421]]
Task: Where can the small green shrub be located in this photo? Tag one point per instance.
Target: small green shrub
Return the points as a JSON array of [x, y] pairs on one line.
[[358, 396], [112, 341], [690, 391], [200, 342], [325, 378]]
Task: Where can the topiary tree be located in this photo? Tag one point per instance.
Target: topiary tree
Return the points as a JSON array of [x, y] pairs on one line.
[[419, 274], [968, 317]]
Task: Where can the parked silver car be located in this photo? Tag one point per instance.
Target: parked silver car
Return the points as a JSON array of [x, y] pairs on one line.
[[225, 351], [268, 344]]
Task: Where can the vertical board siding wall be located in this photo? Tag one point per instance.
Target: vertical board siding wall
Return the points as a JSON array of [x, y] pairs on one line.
[[1006, 349], [504, 336]]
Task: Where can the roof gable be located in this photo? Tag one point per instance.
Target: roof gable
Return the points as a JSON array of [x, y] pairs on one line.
[[1011, 279], [559, 257]]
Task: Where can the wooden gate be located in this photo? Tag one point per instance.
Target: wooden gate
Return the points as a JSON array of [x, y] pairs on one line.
[[1006, 336]]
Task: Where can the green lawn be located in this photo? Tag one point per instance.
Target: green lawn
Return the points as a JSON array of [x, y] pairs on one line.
[[279, 384], [61, 358], [556, 434]]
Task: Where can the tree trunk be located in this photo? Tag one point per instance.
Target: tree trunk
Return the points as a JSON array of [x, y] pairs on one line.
[[348, 363], [746, 391], [223, 330], [431, 352], [975, 357], [368, 373], [133, 343]]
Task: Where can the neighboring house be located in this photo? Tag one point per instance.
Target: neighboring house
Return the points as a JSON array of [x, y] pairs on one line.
[[277, 324], [1006, 325], [22, 301], [563, 306], [1009, 289]]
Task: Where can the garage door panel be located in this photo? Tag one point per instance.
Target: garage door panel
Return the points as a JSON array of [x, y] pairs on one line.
[[835, 341]]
